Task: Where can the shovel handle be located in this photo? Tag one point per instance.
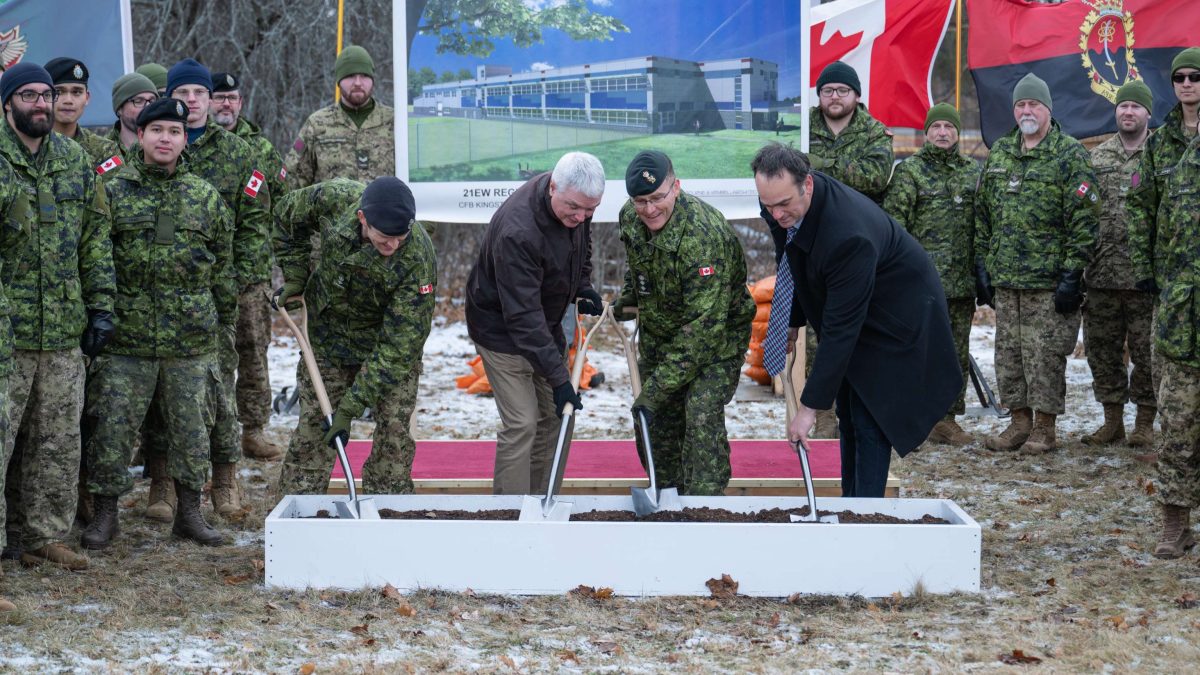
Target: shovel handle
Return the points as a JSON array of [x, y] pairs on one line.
[[802, 452]]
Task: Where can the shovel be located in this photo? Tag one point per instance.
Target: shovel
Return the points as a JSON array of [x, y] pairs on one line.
[[645, 500], [547, 508], [789, 394], [354, 508]]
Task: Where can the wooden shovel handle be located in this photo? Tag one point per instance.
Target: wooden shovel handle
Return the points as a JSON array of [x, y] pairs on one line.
[[306, 353]]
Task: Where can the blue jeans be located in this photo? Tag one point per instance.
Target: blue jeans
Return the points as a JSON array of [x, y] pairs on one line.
[[866, 452]]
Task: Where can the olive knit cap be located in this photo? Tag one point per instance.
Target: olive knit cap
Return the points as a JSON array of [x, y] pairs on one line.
[[128, 86], [942, 112], [1033, 87], [1188, 58], [353, 60], [1138, 92]]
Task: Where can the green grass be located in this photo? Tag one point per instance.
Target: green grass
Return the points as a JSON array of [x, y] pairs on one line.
[[452, 149]]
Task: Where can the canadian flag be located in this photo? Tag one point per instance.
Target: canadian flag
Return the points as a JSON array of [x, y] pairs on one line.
[[891, 44], [254, 184], [109, 164]]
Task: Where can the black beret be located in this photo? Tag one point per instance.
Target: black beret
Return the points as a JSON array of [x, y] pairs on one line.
[[65, 69], [170, 109], [225, 82], [646, 173], [388, 206]]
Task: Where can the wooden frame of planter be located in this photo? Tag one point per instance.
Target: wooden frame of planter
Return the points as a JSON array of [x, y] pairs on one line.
[[632, 558]]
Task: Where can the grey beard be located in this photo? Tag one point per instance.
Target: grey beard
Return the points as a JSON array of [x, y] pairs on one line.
[[1028, 126]]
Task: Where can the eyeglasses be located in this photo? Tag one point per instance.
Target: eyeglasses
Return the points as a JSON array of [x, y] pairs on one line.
[[143, 101], [653, 200], [1178, 78], [226, 98], [29, 96], [828, 92]]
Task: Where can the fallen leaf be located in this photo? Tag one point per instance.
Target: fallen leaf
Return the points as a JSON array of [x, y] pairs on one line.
[[773, 622], [1018, 657], [709, 604], [1000, 525], [607, 647], [794, 599], [369, 617], [1187, 601], [260, 566], [1025, 537], [672, 658], [308, 669], [272, 607], [1133, 545], [235, 579], [1051, 582], [507, 660], [369, 642], [725, 587], [1117, 622], [390, 592], [567, 655], [359, 630], [406, 609], [917, 634]]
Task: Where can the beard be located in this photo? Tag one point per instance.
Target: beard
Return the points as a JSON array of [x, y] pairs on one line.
[[846, 111], [27, 125], [225, 119], [356, 98], [1028, 125]]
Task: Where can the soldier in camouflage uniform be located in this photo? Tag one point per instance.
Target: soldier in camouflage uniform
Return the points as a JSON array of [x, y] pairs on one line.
[[847, 144], [353, 138], [172, 248], [1116, 312], [130, 93], [932, 195], [71, 83], [1036, 221], [13, 235], [254, 316], [687, 277], [228, 164], [60, 286], [371, 300]]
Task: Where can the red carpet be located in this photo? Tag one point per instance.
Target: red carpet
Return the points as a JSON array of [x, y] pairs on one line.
[[604, 459]]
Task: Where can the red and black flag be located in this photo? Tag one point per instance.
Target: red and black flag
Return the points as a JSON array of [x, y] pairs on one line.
[[1084, 50]]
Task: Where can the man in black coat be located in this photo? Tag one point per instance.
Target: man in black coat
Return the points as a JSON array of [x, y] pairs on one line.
[[885, 353]]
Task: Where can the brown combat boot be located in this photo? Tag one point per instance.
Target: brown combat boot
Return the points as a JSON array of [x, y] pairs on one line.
[[826, 424], [225, 498], [56, 554], [1176, 537], [1017, 432], [256, 446], [1143, 427], [5, 604], [1042, 439], [1113, 429], [189, 523], [160, 503], [104, 526], [947, 432]]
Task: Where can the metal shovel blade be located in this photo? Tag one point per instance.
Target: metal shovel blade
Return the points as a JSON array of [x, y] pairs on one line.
[[545, 509], [649, 500], [831, 519], [813, 516]]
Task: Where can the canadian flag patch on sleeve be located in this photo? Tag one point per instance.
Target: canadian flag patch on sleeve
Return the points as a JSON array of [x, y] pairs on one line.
[[426, 289], [1085, 190], [707, 271], [283, 173], [109, 164], [254, 184]]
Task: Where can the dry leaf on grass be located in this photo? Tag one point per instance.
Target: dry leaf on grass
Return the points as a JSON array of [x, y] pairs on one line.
[[359, 630], [235, 579], [607, 647], [390, 592], [722, 588], [567, 655], [1051, 582], [308, 669], [591, 593], [260, 566], [1187, 601], [1117, 622], [507, 660], [1018, 657], [406, 610]]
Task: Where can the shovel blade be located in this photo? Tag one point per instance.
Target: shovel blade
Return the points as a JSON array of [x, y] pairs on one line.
[[535, 509], [346, 510], [829, 519], [362, 509], [645, 501]]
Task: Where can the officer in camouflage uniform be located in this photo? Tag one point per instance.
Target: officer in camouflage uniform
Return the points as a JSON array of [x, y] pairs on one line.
[[847, 144], [71, 82], [1116, 312], [1036, 221], [228, 164], [687, 277], [353, 138], [130, 93], [172, 247], [60, 286], [371, 300], [254, 316], [12, 236], [932, 195]]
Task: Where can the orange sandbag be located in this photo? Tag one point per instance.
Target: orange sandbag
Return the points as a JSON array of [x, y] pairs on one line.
[[758, 374], [763, 290], [758, 331], [464, 381], [480, 386], [762, 313]]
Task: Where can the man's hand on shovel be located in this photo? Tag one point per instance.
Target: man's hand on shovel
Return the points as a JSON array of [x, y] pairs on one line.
[[286, 292], [802, 424], [340, 428]]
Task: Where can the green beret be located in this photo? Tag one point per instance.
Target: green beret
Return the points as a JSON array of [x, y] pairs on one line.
[[157, 74], [1033, 87], [942, 112], [128, 86], [1138, 92], [353, 60], [1188, 58], [647, 173]]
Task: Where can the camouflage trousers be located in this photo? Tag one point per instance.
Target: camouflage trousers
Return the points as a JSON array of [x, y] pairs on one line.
[[687, 434], [122, 390], [1032, 344], [1179, 443], [253, 376], [388, 471], [962, 312], [1110, 319], [43, 445], [225, 438]]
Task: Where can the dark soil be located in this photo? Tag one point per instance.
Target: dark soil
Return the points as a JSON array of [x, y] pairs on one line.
[[694, 515]]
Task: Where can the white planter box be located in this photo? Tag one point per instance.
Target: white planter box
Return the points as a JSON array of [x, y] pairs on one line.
[[534, 558]]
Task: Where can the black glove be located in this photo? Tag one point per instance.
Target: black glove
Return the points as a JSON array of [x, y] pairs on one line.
[[564, 394], [985, 292], [1148, 286], [639, 406], [1069, 294], [590, 302], [100, 330]]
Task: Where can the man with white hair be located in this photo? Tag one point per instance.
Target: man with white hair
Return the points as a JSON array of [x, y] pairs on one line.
[[534, 262]]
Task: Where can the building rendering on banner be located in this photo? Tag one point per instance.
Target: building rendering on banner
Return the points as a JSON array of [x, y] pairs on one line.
[[656, 94]]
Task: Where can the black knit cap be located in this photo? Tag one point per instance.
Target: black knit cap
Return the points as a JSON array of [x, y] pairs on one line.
[[646, 173], [225, 82], [388, 206], [21, 75], [65, 70], [170, 109], [840, 72]]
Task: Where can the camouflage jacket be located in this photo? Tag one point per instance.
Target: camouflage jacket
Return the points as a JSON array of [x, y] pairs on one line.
[[269, 162], [332, 146], [1147, 242], [97, 147], [861, 156], [366, 309], [172, 240], [1178, 268], [932, 195], [65, 267], [13, 235], [1036, 212], [1110, 267], [689, 285]]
